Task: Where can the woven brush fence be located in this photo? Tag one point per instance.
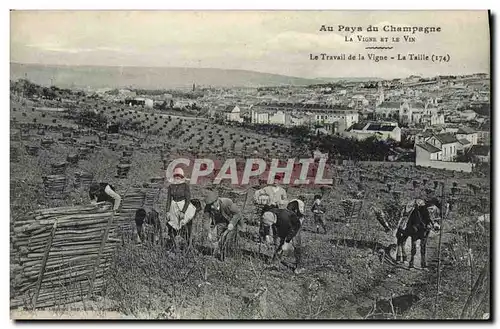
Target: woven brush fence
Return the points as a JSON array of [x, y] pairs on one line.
[[61, 255]]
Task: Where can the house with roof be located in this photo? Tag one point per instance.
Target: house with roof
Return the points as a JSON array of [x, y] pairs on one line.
[[358, 101], [297, 120], [232, 113], [278, 118], [380, 130], [436, 119], [430, 156], [388, 110], [423, 136], [425, 152], [447, 143], [420, 113], [259, 116], [468, 115], [463, 145], [467, 133], [479, 153]]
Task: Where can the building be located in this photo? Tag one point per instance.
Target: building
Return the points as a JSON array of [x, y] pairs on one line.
[[467, 133], [424, 152], [388, 110], [358, 102], [430, 156], [381, 130], [296, 120], [259, 117], [468, 115], [437, 119], [483, 137], [347, 118], [232, 113], [309, 112], [447, 143], [278, 118], [139, 101], [423, 136], [479, 153], [463, 145]]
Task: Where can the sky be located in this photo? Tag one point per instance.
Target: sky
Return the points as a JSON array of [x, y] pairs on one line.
[[279, 42]]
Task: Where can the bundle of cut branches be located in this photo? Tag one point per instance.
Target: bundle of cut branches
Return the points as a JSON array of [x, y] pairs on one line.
[[61, 255]]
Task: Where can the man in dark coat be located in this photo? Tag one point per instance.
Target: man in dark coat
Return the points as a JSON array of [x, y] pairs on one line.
[[285, 226], [224, 221]]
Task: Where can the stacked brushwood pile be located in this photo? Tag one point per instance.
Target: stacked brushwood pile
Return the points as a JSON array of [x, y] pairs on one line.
[[352, 208], [61, 255], [152, 191], [122, 170], [14, 153], [83, 179], [83, 152], [54, 185], [72, 158], [32, 149], [47, 142], [132, 200], [59, 168]]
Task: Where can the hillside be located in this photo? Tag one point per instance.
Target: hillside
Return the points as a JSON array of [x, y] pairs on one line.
[[147, 78]]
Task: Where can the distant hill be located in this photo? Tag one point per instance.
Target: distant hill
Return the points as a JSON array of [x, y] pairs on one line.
[[354, 79], [148, 77]]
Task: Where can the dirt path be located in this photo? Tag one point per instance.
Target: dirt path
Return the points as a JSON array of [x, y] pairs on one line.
[[397, 282]]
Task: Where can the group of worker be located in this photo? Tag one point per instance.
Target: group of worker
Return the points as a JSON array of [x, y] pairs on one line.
[[281, 220]]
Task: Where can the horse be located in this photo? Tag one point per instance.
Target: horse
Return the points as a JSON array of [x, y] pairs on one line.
[[417, 226]]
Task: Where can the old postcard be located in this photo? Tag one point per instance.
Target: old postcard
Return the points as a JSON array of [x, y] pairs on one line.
[[250, 165]]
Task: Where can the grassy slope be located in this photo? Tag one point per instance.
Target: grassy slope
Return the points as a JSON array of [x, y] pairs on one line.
[[344, 275]]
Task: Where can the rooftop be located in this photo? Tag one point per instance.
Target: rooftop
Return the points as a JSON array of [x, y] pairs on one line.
[[428, 147], [465, 130], [392, 105], [229, 108], [446, 138], [381, 127], [463, 141], [417, 105], [482, 150], [372, 126]]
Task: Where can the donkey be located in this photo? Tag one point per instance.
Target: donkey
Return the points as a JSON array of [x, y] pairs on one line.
[[417, 226]]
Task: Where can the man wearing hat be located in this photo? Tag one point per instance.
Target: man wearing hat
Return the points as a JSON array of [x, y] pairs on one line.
[[285, 226], [272, 195], [104, 192], [224, 220]]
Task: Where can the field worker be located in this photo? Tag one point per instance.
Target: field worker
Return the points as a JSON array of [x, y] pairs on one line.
[[319, 210], [224, 220], [284, 226], [140, 217], [272, 196], [104, 192], [297, 206], [179, 210]]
